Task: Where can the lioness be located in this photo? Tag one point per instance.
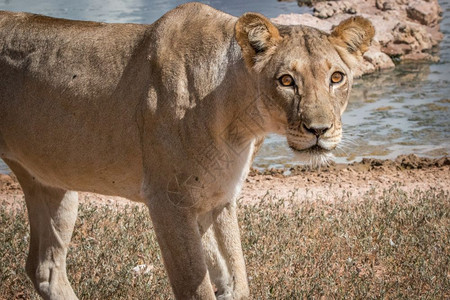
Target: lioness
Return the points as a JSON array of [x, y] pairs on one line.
[[166, 114]]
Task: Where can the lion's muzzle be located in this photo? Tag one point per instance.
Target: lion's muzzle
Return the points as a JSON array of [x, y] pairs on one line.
[[314, 143]]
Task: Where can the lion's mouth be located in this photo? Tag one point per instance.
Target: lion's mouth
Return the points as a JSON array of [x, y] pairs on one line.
[[314, 156], [314, 150]]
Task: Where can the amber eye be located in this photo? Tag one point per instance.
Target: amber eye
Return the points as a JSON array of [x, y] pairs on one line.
[[337, 77], [286, 80]]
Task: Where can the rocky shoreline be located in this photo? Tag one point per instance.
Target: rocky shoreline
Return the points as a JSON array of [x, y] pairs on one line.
[[406, 30], [401, 163]]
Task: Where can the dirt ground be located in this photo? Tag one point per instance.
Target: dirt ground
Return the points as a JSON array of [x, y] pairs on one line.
[[407, 172]]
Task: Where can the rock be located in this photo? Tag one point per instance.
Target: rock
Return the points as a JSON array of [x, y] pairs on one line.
[[423, 12], [420, 56], [309, 2], [405, 30], [409, 40], [305, 2], [328, 9], [378, 59], [303, 19], [384, 5]]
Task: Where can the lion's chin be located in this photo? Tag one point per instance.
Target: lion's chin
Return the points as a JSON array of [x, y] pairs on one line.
[[314, 157]]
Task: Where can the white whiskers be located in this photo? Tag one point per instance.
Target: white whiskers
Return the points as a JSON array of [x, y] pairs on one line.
[[313, 158]]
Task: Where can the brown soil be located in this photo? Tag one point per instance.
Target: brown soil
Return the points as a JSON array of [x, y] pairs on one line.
[[407, 172]]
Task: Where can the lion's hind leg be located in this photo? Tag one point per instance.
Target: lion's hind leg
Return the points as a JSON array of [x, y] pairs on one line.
[[52, 213]]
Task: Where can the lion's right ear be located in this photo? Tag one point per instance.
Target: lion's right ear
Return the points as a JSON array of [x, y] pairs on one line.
[[258, 39]]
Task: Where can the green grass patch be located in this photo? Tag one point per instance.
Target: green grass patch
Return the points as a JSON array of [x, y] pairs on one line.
[[393, 246]]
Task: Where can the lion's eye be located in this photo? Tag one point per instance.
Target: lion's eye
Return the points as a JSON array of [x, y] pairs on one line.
[[337, 77], [286, 80]]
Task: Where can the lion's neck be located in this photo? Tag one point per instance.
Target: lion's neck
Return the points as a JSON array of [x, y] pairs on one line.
[[240, 103], [231, 108], [244, 113]]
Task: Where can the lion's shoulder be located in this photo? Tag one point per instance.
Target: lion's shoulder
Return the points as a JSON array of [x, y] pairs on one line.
[[194, 20], [194, 10], [192, 34]]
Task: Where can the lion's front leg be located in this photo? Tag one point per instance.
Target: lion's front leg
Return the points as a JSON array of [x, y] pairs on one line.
[[180, 243], [222, 247]]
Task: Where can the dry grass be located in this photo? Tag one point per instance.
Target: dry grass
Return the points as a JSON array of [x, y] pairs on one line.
[[396, 246]]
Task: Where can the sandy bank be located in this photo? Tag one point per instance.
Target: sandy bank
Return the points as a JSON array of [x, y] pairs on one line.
[[406, 172]]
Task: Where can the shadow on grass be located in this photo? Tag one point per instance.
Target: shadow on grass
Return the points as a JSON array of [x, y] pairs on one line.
[[392, 246]]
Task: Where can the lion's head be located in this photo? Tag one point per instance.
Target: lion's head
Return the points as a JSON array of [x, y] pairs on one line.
[[307, 77]]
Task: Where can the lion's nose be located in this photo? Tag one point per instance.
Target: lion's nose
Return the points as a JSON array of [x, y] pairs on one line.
[[317, 130]]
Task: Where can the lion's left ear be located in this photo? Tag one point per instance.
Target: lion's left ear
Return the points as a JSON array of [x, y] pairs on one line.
[[353, 36], [258, 39]]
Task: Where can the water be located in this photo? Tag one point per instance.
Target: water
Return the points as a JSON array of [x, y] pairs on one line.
[[140, 11], [390, 113]]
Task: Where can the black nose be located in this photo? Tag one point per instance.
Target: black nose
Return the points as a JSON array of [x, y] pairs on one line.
[[317, 130]]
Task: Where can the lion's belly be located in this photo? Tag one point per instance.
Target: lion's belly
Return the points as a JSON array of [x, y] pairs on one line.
[[99, 172], [86, 147], [118, 175]]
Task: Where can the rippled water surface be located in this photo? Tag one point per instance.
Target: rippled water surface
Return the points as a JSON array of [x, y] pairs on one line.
[[139, 11], [405, 110]]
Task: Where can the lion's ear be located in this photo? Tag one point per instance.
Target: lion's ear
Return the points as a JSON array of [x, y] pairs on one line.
[[258, 39], [353, 36]]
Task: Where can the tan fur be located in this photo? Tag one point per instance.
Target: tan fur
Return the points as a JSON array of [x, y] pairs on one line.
[[167, 114], [258, 39], [353, 36]]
